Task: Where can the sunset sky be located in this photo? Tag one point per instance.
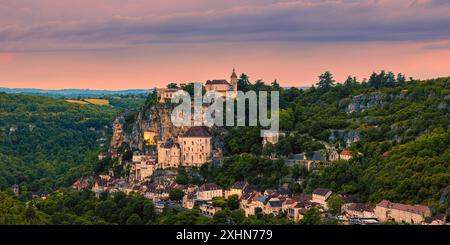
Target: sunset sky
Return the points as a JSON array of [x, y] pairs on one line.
[[116, 44]]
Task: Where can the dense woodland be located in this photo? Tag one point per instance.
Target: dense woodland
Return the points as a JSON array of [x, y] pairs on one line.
[[47, 143], [402, 154], [83, 208]]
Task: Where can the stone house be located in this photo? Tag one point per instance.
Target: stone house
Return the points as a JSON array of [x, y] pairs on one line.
[[249, 202], [359, 210], [208, 191], [320, 196], [208, 209], [166, 94], [196, 146], [241, 187], [189, 200], [273, 206], [412, 214], [168, 154]]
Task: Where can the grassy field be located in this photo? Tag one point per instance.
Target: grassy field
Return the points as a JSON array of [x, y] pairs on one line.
[[97, 101], [90, 101], [77, 102]]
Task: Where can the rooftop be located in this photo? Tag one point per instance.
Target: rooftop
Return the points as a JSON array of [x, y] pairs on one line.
[[321, 191], [360, 207], [209, 187], [239, 185], [418, 209], [216, 82], [346, 153], [197, 132]]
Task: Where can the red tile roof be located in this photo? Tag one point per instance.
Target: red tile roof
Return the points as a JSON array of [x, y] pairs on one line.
[[346, 153], [209, 187], [418, 209]]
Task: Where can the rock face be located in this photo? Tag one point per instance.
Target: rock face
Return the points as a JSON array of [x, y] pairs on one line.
[[155, 119], [347, 137], [364, 101]]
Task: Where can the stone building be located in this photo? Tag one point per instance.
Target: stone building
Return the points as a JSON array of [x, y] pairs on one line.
[[168, 154], [144, 168], [413, 214], [207, 192], [271, 138], [223, 86], [166, 94], [320, 196], [359, 210], [196, 146]]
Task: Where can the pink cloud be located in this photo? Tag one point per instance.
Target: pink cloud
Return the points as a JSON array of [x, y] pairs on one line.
[[6, 58]]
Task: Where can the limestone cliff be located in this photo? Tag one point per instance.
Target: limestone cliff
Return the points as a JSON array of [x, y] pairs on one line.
[[130, 126]]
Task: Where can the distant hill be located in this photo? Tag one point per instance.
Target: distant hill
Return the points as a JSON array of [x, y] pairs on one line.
[[71, 93]]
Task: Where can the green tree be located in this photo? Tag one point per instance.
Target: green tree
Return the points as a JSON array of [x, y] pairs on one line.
[[335, 204], [312, 217], [172, 85], [326, 81], [134, 219], [176, 195], [244, 83], [182, 177], [233, 202]]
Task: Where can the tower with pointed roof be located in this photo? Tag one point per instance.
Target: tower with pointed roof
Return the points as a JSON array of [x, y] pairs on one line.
[[234, 81]]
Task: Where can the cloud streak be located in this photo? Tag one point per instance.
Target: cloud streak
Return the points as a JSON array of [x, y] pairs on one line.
[[284, 21]]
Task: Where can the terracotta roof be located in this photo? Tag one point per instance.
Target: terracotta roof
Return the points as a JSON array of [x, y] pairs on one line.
[[197, 132], [321, 191], [213, 82], [209, 187], [418, 209], [346, 153], [360, 207]]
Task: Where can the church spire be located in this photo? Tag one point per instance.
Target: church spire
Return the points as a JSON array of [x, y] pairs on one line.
[[233, 75]]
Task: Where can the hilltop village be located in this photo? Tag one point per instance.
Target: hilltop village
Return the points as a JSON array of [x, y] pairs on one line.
[[158, 150]]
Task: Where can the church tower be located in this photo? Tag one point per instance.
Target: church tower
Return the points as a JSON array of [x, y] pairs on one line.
[[234, 81]]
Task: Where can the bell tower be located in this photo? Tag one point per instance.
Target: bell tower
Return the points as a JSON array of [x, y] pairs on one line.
[[234, 81]]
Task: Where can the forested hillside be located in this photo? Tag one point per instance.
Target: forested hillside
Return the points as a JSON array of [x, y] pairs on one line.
[[397, 131], [46, 143]]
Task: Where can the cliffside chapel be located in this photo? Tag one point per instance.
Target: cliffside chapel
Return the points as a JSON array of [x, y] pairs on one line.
[[193, 148], [221, 86]]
